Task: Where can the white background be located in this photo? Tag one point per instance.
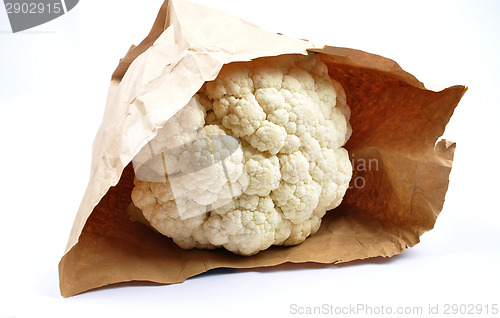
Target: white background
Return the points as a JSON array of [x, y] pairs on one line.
[[53, 85]]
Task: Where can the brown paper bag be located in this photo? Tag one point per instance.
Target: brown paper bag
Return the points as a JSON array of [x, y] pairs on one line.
[[400, 172]]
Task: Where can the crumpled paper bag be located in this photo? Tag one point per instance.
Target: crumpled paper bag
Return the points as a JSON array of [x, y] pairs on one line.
[[400, 170]]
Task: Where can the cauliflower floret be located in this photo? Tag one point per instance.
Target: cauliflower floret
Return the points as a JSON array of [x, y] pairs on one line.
[[263, 171], [275, 179], [246, 227], [158, 207], [299, 232], [297, 201], [268, 137]]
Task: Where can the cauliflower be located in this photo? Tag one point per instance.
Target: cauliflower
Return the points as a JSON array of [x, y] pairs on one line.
[[254, 160]]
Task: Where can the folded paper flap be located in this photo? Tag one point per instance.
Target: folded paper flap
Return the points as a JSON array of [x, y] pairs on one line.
[[134, 52], [384, 102], [395, 121], [196, 31], [444, 151], [357, 58]]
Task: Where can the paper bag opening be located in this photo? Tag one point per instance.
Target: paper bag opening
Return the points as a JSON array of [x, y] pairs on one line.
[[400, 169]]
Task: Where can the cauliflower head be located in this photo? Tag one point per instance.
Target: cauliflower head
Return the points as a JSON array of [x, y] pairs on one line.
[[275, 168]]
